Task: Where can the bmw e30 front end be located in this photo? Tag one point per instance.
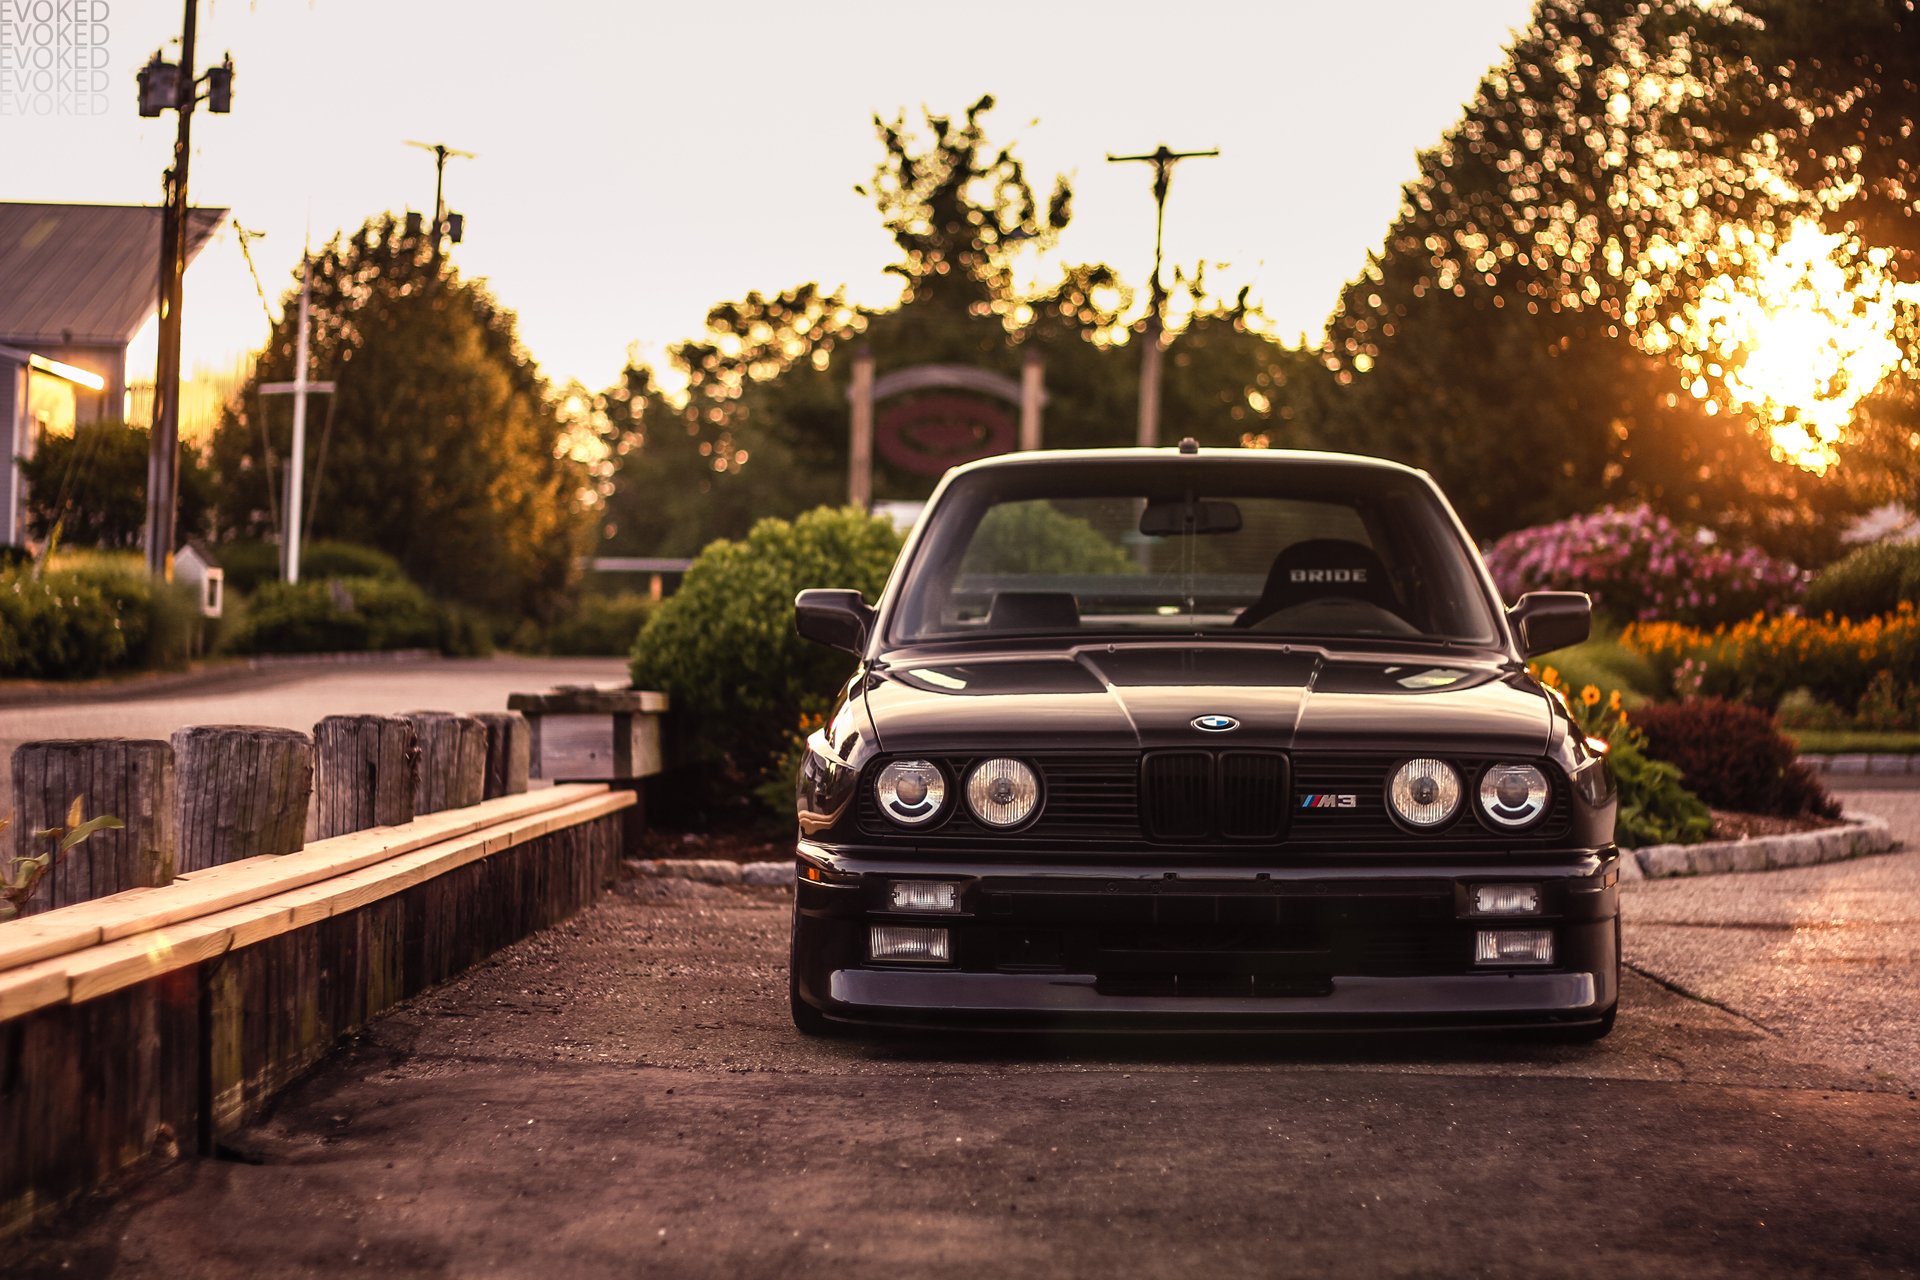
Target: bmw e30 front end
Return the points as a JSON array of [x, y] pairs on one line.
[[1148, 739]]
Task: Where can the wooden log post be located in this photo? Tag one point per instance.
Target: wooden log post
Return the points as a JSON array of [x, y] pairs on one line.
[[366, 773], [129, 779], [453, 760], [509, 752], [244, 791]]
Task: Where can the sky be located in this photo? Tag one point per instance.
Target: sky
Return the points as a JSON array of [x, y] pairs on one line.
[[638, 162]]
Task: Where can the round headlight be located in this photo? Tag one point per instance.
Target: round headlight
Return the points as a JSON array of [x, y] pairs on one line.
[[1002, 793], [911, 792], [1514, 795], [1424, 793]]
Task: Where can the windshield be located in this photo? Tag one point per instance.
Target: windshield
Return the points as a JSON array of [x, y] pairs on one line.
[[1313, 550]]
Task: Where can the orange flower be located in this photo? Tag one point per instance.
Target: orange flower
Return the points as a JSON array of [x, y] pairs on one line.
[[1590, 695]]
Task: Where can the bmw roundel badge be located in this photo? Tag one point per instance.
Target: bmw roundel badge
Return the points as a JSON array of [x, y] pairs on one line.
[[1215, 724]]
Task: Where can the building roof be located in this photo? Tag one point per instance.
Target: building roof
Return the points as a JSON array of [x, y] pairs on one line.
[[84, 274]]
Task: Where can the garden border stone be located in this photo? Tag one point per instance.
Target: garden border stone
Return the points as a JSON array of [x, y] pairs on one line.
[[1859, 764], [1862, 835], [712, 870]]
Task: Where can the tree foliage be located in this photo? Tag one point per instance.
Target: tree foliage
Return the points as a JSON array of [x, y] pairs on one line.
[[1551, 287], [93, 485], [441, 444]]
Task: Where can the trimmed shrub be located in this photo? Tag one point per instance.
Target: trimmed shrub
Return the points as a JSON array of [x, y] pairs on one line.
[[601, 625], [250, 565], [349, 614], [1871, 581], [1733, 756], [1638, 565], [725, 649], [64, 626]]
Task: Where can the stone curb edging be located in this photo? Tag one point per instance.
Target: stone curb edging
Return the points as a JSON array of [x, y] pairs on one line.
[[712, 870], [1863, 834], [1864, 764]]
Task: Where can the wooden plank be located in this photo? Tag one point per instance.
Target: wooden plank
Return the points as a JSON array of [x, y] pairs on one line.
[[218, 888], [114, 965]]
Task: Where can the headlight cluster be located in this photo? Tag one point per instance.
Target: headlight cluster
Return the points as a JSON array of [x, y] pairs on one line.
[[1425, 794], [1002, 793]]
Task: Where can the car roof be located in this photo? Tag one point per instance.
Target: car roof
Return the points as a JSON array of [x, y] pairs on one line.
[[1172, 455]]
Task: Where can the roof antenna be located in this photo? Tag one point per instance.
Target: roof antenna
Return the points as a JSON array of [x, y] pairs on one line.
[[1189, 445]]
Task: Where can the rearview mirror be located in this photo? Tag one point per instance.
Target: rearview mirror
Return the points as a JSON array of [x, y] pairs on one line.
[[837, 619], [1547, 620], [1167, 517]]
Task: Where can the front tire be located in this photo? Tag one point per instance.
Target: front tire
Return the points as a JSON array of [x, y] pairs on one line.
[[808, 1020]]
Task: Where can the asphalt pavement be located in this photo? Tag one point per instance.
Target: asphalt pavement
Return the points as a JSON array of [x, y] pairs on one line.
[[622, 1095]]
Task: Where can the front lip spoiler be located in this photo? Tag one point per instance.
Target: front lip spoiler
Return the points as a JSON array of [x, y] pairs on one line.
[[1059, 1001]]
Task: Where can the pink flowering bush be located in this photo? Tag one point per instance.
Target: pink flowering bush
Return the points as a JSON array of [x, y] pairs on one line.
[[1637, 566]]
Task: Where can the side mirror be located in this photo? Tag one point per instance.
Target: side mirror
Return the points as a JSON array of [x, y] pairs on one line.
[[837, 619], [1548, 620]]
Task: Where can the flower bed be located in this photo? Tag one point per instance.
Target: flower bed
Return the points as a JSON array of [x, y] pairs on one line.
[[1639, 565], [1762, 658]]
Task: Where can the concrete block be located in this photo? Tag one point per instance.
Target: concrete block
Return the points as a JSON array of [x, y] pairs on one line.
[[1662, 860], [1887, 763], [776, 874], [1848, 764]]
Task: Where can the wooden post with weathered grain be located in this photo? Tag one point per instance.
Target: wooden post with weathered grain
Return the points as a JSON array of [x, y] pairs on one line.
[[366, 771], [453, 760], [126, 778], [509, 752], [243, 791]]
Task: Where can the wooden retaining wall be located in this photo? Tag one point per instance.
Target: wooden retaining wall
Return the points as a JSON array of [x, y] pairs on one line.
[[156, 1020]]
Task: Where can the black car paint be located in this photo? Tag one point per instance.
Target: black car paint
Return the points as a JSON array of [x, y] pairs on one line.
[[1324, 701]]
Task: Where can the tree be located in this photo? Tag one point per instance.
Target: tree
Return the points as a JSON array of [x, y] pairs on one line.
[[441, 444], [763, 428], [1559, 280], [92, 485]]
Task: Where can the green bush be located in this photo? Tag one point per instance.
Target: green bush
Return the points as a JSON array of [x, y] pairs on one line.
[[1606, 664], [353, 614], [1733, 756], [1868, 582], [1655, 806], [250, 565], [601, 625], [725, 649], [62, 626]]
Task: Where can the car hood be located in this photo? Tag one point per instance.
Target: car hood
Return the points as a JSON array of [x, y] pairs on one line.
[[1148, 696]]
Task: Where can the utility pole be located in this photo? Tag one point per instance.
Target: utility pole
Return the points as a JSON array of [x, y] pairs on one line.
[[296, 459], [443, 222], [165, 86], [1163, 161]]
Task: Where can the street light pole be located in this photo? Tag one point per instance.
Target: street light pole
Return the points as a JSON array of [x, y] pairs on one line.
[[443, 224], [1163, 161]]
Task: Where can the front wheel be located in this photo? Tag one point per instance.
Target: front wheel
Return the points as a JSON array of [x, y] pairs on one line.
[[808, 1020]]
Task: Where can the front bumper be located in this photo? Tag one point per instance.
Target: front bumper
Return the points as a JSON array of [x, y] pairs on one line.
[[1363, 944]]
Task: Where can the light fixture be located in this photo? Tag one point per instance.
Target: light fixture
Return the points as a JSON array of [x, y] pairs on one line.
[[1513, 946], [894, 942], [923, 895]]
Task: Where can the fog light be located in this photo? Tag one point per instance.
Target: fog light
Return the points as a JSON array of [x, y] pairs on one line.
[[903, 942], [923, 895], [1506, 900], [1513, 946]]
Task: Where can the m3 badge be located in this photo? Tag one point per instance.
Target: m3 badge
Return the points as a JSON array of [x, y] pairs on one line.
[[1325, 800]]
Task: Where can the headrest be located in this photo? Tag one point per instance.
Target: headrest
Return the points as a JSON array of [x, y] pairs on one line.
[[1034, 611], [1318, 568]]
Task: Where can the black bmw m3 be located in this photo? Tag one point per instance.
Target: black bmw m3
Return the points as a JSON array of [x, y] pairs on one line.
[[1200, 738]]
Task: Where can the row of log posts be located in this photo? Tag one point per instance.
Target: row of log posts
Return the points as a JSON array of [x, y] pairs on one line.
[[218, 793]]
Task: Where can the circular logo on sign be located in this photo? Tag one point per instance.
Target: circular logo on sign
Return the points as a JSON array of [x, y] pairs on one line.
[[929, 434], [1215, 724]]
